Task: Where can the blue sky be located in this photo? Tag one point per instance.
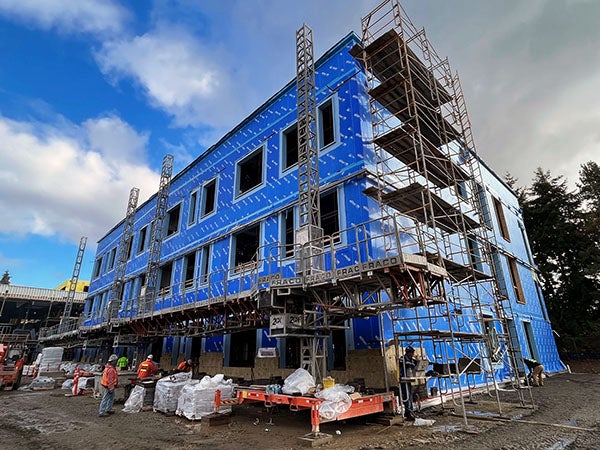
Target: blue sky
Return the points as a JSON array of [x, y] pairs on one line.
[[93, 93]]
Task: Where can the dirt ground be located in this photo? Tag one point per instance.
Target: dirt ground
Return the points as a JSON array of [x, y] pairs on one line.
[[567, 416]]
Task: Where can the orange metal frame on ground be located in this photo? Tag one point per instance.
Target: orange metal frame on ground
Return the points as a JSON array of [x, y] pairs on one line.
[[362, 406]]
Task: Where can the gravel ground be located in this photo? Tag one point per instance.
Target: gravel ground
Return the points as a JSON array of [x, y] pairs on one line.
[[567, 416]]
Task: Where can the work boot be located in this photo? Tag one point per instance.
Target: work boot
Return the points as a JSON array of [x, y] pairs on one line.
[[409, 418]]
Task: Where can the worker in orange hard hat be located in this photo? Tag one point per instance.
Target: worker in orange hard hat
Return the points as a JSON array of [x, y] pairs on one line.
[[147, 368], [185, 366]]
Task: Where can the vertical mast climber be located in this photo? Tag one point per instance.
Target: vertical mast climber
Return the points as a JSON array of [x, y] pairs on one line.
[[124, 248], [156, 236], [309, 236], [72, 286]]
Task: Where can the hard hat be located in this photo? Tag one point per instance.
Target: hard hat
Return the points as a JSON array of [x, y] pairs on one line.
[[150, 356], [409, 349], [113, 357]]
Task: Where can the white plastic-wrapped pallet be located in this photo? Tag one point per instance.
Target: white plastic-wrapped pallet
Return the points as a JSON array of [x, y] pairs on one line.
[[167, 391], [51, 359], [198, 397]]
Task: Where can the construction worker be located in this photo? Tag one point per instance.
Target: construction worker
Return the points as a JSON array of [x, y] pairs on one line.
[[536, 371], [185, 366], [407, 371], [123, 362], [109, 381], [147, 368]]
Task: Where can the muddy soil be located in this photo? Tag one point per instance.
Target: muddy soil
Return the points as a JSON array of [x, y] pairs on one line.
[[567, 415]]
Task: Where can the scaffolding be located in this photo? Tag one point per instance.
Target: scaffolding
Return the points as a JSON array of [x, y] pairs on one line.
[[429, 173], [65, 320], [116, 292]]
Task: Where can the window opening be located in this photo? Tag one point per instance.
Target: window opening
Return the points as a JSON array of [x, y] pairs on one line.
[[192, 208], [190, 269], [290, 146], [173, 220], [166, 272], [204, 264], [209, 192], [242, 349], [501, 219], [515, 280], [246, 245], [249, 172], [142, 239], [326, 129], [330, 221]]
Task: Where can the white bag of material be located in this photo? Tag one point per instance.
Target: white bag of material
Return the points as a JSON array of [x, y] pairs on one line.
[[51, 359], [43, 383], [167, 391], [197, 398], [135, 402], [67, 384], [301, 381], [337, 401]]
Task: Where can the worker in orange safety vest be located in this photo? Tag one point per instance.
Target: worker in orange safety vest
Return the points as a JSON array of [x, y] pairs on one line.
[[109, 381], [147, 368], [185, 366]]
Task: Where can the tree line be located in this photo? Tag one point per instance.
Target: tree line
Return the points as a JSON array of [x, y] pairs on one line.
[[563, 225]]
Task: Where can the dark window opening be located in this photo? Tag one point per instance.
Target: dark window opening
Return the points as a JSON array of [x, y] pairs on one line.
[[290, 146], [249, 172], [461, 188], [330, 221], [338, 339], [485, 210], [326, 131], [129, 247], [166, 272], [474, 253], [204, 264], [190, 269], [173, 220], [515, 280], [192, 208], [501, 219], [289, 232], [246, 245], [142, 240], [110, 264], [97, 267], [86, 289], [242, 349], [208, 205], [292, 352]]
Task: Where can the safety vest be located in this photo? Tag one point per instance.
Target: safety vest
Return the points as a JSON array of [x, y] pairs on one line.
[[109, 377], [146, 369]]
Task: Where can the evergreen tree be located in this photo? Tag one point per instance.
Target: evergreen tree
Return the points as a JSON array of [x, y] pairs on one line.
[[561, 247]]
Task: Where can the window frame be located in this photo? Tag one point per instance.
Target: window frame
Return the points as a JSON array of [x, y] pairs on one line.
[[142, 244], [193, 207], [333, 101], [238, 172], [284, 149], [167, 223], [515, 279], [239, 268], [501, 218], [205, 186]]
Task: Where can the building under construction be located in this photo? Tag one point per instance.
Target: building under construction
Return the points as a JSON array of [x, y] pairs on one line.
[[346, 218]]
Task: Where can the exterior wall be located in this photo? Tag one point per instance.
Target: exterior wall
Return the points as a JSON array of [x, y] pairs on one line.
[[344, 166]]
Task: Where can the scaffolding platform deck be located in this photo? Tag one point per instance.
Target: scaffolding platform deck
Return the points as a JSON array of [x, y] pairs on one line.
[[411, 201], [387, 58], [402, 144]]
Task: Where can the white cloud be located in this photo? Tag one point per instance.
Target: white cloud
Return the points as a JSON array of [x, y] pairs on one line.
[[177, 73], [90, 16], [55, 184]]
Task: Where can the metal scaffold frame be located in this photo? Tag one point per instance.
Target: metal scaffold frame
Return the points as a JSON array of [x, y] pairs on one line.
[[116, 291], [62, 326], [428, 171], [156, 237]]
